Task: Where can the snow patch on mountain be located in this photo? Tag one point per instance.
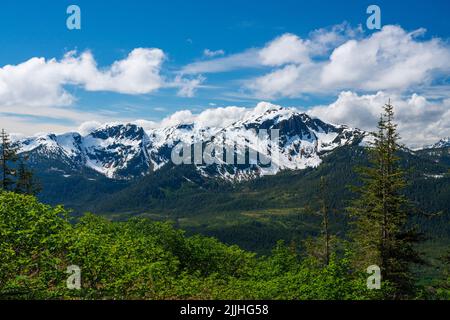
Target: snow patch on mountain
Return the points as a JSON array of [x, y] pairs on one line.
[[124, 151], [443, 143]]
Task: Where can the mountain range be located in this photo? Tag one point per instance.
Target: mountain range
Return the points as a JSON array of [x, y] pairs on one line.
[[127, 151]]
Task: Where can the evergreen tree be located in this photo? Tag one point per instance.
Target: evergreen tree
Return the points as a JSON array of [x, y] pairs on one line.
[[442, 290], [325, 222], [26, 183], [381, 236], [326, 244], [8, 155], [17, 178]]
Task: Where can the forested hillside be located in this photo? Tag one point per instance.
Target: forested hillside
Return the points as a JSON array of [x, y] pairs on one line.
[[256, 213]]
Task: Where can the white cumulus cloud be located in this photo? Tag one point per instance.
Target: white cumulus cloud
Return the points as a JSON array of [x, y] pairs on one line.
[[187, 86], [287, 48], [38, 82], [212, 117], [391, 59]]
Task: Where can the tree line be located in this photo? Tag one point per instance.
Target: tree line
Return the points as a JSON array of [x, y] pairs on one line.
[[15, 175]]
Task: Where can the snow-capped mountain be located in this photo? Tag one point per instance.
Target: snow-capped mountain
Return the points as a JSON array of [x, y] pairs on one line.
[[124, 151], [443, 143]]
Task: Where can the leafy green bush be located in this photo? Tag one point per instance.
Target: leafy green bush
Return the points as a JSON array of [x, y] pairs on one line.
[[141, 259], [32, 246]]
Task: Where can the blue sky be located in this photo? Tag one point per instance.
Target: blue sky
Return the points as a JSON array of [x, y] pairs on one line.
[[235, 33]]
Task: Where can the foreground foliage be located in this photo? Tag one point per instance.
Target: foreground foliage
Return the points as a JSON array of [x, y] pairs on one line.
[[140, 259]]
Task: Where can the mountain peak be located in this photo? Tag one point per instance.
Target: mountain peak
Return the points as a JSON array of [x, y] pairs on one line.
[[118, 130], [263, 107], [443, 143], [265, 111]]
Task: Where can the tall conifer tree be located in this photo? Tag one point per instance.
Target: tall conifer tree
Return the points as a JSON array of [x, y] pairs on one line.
[[8, 156], [325, 244], [381, 236], [26, 183]]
